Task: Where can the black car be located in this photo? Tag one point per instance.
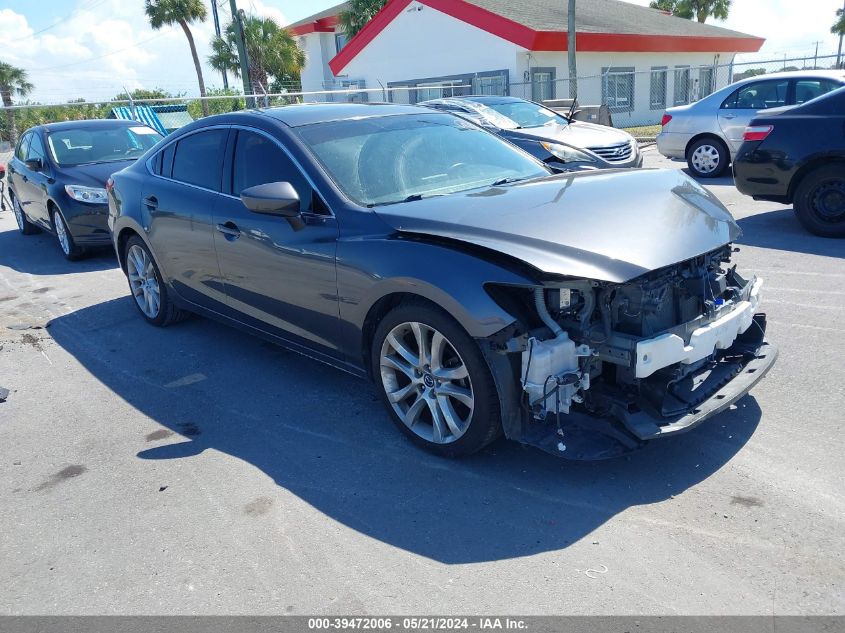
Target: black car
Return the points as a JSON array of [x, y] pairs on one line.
[[563, 143], [482, 293], [58, 174], [797, 155]]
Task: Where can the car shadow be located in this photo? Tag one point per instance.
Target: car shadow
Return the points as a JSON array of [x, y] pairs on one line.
[[781, 230], [324, 436], [16, 253]]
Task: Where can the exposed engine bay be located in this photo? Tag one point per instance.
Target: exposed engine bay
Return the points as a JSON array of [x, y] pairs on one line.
[[647, 357]]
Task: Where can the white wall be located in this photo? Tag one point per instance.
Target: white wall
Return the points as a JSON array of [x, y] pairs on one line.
[[319, 49], [422, 42]]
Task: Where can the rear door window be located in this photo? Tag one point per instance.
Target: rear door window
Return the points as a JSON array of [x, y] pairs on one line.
[[808, 89], [198, 159], [758, 95]]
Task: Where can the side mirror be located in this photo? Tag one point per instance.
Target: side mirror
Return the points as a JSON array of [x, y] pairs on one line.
[[34, 164], [272, 198]]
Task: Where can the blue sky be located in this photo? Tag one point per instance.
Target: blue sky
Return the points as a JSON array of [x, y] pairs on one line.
[[93, 48]]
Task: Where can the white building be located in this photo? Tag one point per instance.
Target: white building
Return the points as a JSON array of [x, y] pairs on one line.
[[635, 59]]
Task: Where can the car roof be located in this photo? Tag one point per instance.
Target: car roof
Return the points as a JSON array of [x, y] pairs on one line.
[[89, 124], [796, 74], [309, 113]]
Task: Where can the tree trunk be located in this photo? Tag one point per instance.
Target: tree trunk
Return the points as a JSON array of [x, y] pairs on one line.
[[190, 37], [10, 116], [702, 16]]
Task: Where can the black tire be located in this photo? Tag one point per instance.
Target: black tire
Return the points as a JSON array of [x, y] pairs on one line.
[[482, 420], [711, 149], [819, 201], [24, 225], [67, 245], [167, 312]]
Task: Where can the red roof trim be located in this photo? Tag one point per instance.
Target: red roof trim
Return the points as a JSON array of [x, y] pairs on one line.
[[366, 35], [323, 25], [544, 40]]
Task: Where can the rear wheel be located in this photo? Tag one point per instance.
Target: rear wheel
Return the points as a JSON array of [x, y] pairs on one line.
[[69, 248], [147, 286], [820, 201], [434, 381], [24, 225], [708, 158]]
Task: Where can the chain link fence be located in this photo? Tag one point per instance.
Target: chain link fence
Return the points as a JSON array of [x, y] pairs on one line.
[[635, 98]]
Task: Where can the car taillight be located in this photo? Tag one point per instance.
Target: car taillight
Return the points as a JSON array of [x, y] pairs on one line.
[[109, 185], [666, 118], [757, 132]]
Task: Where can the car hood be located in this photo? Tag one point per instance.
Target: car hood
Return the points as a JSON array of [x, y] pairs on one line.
[[579, 134], [92, 174], [605, 225]]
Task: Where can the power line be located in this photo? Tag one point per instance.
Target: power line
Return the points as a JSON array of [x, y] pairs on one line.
[[90, 6], [91, 59]]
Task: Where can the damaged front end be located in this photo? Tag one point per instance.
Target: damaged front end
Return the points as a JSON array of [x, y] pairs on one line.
[[605, 367]]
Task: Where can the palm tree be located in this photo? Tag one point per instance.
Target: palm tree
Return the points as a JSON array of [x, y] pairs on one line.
[[358, 14], [181, 12], [271, 49], [12, 81], [838, 28], [698, 9]]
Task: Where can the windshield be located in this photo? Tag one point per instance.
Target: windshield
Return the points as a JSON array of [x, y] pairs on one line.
[[527, 114], [77, 146], [392, 159]]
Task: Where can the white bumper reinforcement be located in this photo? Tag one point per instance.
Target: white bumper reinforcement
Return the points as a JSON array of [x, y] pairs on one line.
[[668, 349]]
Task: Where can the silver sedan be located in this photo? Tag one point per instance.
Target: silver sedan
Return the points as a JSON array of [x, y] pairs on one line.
[[708, 133]]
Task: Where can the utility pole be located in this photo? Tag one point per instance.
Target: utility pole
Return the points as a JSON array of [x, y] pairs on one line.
[[816, 56], [839, 52], [570, 41], [237, 17], [217, 32]]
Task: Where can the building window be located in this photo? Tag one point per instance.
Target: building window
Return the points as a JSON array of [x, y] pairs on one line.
[[657, 98], [681, 89], [617, 88], [705, 82], [340, 41], [542, 84], [493, 82], [490, 85]]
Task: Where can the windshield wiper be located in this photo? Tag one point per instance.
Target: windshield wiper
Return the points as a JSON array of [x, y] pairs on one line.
[[505, 181]]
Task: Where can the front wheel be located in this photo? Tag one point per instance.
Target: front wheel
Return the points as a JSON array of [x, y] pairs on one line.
[[820, 201], [147, 286], [434, 380], [69, 248], [708, 158], [24, 225]]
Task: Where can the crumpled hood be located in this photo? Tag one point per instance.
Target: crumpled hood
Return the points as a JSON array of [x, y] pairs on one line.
[[579, 134], [92, 174], [610, 225]]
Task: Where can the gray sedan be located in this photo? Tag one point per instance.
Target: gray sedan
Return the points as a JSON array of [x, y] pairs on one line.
[[708, 133]]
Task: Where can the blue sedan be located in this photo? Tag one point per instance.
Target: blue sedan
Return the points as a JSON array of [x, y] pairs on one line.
[[58, 174]]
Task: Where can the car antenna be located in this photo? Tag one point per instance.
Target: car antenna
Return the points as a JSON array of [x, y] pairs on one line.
[[572, 106]]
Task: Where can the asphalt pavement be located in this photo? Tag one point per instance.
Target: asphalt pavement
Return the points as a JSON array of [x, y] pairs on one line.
[[198, 470]]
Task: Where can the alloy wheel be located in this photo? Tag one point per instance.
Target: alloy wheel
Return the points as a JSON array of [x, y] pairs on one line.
[[61, 233], [705, 159], [426, 382], [19, 214], [143, 281]]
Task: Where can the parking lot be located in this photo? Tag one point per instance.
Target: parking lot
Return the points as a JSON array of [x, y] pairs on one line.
[[195, 469]]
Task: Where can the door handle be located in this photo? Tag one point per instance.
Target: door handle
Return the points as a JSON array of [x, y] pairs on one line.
[[151, 202], [229, 230], [729, 116]]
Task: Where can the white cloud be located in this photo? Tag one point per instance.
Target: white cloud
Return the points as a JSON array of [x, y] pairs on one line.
[[122, 48]]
